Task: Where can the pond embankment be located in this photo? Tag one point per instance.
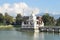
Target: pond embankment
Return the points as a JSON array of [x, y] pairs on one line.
[[6, 27]]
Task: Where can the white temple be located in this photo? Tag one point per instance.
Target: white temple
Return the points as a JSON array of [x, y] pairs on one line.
[[33, 22]]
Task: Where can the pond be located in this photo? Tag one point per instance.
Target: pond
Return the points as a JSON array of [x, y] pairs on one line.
[[17, 35]]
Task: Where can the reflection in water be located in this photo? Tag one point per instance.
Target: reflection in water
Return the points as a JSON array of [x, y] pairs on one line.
[[38, 36], [17, 35], [41, 36], [51, 36]]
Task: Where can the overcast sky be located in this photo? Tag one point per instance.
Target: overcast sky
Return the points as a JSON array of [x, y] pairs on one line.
[[39, 6]]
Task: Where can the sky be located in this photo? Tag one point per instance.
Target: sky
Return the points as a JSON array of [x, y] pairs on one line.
[[39, 6]]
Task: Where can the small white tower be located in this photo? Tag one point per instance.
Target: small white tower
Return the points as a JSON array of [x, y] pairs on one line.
[[35, 22]]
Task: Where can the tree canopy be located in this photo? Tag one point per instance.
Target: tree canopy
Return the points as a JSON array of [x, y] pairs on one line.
[[58, 22], [1, 18], [48, 20], [19, 19], [8, 18]]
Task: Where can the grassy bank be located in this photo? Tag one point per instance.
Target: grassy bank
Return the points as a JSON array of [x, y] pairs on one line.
[[8, 27]]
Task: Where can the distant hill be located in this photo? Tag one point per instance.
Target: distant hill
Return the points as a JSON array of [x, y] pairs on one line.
[[55, 16]]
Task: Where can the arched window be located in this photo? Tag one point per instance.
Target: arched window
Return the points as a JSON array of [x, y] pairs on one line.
[[25, 22], [37, 22]]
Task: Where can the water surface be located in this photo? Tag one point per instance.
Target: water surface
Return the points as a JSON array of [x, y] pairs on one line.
[[17, 35]]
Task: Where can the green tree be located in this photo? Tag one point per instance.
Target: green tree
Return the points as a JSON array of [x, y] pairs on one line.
[[19, 19], [48, 20], [8, 19], [58, 22], [1, 18]]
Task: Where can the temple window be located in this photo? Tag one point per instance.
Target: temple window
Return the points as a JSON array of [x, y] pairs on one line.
[[37, 22], [26, 22]]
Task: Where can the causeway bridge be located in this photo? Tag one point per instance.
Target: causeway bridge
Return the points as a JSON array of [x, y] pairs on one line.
[[43, 29], [49, 29]]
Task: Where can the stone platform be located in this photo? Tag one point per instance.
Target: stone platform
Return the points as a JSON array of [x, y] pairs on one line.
[[43, 29]]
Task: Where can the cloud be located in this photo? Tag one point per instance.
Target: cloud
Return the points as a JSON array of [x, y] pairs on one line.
[[55, 13], [36, 10], [0, 9], [16, 8]]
